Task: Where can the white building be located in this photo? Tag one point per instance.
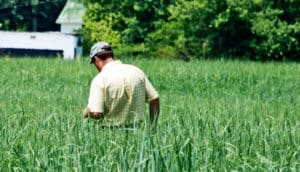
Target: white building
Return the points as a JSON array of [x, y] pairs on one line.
[[70, 18], [65, 43], [40, 44]]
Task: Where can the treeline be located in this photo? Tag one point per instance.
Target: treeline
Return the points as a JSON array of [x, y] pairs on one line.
[[252, 29], [30, 15]]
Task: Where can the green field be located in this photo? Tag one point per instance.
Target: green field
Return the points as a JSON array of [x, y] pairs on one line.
[[215, 116]]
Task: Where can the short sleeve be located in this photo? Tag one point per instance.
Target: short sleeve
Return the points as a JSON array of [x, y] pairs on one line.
[[96, 97], [151, 93]]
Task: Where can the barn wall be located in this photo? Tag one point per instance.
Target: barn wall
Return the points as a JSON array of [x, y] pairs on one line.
[[69, 28], [41, 41]]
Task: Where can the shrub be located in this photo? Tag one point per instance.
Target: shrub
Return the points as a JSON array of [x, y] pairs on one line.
[[98, 31], [274, 38]]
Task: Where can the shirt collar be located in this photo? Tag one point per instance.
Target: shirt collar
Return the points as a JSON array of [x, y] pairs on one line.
[[111, 64]]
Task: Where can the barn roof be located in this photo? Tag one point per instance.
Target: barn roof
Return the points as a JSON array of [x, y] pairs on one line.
[[71, 13]]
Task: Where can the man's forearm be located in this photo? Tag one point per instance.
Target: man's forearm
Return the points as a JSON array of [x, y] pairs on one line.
[[154, 110]]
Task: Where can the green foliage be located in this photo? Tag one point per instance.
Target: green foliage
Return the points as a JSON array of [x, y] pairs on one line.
[[133, 20], [185, 33], [256, 29], [99, 31], [275, 38], [216, 115], [30, 15], [232, 34]]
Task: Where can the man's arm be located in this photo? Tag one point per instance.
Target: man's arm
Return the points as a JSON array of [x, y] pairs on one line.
[[154, 111], [95, 115]]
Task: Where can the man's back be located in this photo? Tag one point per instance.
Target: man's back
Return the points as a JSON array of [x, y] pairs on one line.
[[125, 89]]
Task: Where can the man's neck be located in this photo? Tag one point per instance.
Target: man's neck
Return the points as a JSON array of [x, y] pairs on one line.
[[108, 60]]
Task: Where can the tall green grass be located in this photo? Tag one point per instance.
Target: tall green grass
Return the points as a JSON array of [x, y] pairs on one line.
[[215, 116]]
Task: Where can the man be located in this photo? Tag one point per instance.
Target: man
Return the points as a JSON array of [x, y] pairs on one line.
[[119, 92]]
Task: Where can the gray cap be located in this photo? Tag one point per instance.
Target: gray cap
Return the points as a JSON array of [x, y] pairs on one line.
[[100, 47]]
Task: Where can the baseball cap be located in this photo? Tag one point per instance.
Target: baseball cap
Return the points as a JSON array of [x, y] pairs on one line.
[[100, 47]]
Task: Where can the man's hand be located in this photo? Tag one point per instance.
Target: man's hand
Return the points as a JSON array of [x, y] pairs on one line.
[[86, 112]]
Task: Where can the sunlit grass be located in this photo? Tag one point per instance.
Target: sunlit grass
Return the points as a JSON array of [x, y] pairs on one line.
[[215, 115]]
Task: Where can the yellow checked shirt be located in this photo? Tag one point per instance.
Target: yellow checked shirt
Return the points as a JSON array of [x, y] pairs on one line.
[[120, 91]]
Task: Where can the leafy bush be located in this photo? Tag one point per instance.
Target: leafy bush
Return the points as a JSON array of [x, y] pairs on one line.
[[132, 19], [274, 38], [184, 34], [98, 31], [30, 15], [256, 29]]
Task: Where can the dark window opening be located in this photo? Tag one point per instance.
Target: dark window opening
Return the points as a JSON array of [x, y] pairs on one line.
[[17, 52]]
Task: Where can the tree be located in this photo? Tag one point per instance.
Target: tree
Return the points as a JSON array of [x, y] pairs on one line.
[[276, 28], [30, 15], [132, 19], [189, 30], [256, 29]]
